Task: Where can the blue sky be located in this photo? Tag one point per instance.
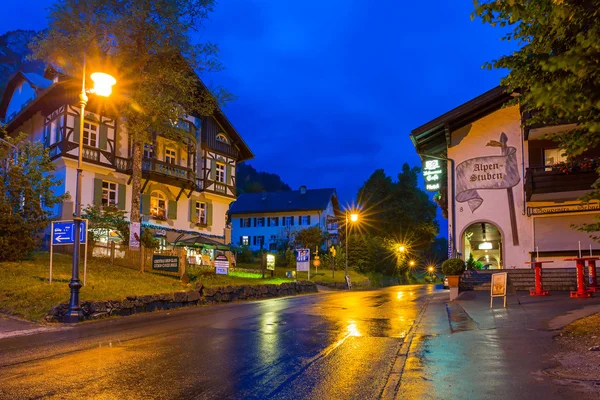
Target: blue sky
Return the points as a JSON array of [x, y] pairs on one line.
[[329, 90]]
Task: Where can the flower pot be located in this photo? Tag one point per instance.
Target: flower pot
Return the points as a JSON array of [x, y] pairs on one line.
[[453, 280]]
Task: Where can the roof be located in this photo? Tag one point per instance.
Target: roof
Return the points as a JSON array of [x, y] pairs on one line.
[[38, 82], [294, 200], [433, 136]]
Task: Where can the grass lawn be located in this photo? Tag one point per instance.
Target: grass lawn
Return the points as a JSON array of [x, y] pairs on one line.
[[25, 291], [324, 275], [588, 326]]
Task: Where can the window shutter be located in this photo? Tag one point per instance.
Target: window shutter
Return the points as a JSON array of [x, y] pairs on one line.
[[292, 220], [103, 139], [268, 221], [254, 240], [76, 129], [192, 210], [121, 192], [172, 209], [241, 222], [241, 241], [308, 219], [209, 213], [213, 169], [228, 174], [255, 222], [98, 191], [145, 204]]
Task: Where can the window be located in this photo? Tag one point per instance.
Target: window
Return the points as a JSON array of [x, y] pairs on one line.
[[158, 205], [109, 193], [274, 221], [200, 213], [288, 221], [260, 222], [170, 156], [245, 222], [305, 220], [148, 152], [90, 133], [259, 241], [553, 156], [222, 138], [245, 240], [220, 172]]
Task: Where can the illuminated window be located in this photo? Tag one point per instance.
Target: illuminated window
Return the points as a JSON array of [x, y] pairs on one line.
[[148, 152], [222, 138], [220, 172], [158, 205], [90, 134], [554, 156], [200, 212], [245, 240], [109, 193], [170, 156]]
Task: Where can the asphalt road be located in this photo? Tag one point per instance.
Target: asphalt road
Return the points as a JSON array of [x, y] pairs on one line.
[[339, 345]]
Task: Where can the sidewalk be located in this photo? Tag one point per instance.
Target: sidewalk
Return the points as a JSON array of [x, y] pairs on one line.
[[10, 327], [464, 350]]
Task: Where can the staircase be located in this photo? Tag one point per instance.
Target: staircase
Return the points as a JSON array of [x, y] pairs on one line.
[[523, 279]]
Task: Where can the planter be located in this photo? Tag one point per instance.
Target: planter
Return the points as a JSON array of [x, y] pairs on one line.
[[453, 280]]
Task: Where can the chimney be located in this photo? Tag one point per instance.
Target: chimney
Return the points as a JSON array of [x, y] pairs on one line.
[[303, 189]]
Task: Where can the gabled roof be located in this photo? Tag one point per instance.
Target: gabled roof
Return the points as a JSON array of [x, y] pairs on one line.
[[294, 200], [37, 82]]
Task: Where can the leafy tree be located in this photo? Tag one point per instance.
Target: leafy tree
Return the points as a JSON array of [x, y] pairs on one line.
[[154, 60], [249, 180], [108, 218], [556, 68], [26, 196], [309, 238]]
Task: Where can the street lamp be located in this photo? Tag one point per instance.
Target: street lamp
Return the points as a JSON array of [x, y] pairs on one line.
[[401, 248], [103, 84], [352, 218]]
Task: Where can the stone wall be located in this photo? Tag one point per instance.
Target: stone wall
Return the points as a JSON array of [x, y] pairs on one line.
[[199, 296]]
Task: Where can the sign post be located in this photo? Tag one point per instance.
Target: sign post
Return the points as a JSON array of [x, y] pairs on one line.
[[221, 265], [332, 251], [498, 287], [62, 233], [303, 260]]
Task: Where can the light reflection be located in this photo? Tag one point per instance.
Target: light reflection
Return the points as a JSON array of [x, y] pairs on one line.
[[352, 329], [400, 294]]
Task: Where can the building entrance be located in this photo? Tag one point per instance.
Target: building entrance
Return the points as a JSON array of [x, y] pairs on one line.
[[483, 242]]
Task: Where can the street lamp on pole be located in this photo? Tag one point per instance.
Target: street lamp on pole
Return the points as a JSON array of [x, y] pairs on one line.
[[103, 84], [353, 217]]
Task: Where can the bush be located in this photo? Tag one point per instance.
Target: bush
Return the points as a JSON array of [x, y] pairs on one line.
[[453, 266], [245, 255]]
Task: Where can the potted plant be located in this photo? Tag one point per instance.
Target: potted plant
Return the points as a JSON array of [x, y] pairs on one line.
[[453, 268]]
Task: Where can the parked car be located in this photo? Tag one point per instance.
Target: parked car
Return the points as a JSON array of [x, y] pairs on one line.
[[446, 283]]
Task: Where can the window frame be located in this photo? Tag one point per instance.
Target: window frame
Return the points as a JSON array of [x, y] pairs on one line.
[[90, 132], [220, 174], [106, 192], [247, 223], [304, 220], [245, 240], [201, 213], [148, 151], [155, 209], [222, 138], [273, 221], [170, 155]]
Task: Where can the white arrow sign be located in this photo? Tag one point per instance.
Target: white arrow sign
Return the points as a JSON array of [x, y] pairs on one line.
[[60, 238]]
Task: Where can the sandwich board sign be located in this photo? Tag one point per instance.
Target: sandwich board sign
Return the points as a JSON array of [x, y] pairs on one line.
[[303, 260], [498, 287], [63, 233], [221, 265]]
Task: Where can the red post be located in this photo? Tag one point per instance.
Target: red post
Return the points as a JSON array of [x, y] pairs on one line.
[[593, 286], [539, 290], [581, 292]]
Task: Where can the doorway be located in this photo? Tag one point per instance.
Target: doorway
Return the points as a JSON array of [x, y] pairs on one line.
[[483, 242]]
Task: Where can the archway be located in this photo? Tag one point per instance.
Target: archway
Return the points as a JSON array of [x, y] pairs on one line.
[[483, 241]]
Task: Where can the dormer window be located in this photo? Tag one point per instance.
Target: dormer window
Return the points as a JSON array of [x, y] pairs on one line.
[[222, 138]]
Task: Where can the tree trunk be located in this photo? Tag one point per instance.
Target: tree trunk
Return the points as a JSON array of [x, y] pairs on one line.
[[136, 180]]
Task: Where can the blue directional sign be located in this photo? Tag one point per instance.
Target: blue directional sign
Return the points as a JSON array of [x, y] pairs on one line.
[[63, 232]]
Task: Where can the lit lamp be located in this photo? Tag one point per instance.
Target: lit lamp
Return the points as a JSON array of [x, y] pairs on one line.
[[401, 248], [411, 263], [353, 218], [103, 84], [431, 269], [485, 246]]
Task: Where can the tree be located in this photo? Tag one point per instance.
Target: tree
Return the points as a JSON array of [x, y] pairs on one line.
[[556, 69], [309, 238], [154, 58], [108, 218], [26, 196], [249, 180]]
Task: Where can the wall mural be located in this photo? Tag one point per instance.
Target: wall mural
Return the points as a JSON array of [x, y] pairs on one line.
[[490, 172]]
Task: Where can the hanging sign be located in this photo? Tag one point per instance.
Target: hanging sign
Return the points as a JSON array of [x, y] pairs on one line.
[[432, 172], [302, 260], [221, 265]]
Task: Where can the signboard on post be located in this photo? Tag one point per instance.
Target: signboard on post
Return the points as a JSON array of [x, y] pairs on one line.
[[271, 262], [303, 260], [63, 233], [165, 263], [134, 236], [221, 265], [498, 287], [432, 172]]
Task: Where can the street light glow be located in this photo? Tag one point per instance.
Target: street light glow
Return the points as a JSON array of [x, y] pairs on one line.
[[353, 217], [430, 269], [103, 83], [401, 248], [411, 263]]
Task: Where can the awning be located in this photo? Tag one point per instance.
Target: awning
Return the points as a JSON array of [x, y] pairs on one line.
[[199, 241]]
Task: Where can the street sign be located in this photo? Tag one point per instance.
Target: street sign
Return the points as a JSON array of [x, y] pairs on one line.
[[271, 262], [221, 265], [302, 260], [63, 232]]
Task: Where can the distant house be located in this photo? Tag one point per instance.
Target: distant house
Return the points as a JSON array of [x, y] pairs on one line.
[[267, 219]]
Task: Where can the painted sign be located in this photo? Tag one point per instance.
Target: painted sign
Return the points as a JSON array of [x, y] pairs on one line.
[[498, 287], [63, 232], [271, 262], [221, 265], [165, 263], [563, 209], [432, 173], [134, 236], [302, 259]]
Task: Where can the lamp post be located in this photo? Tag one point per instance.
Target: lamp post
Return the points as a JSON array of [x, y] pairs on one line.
[[353, 218], [103, 84]]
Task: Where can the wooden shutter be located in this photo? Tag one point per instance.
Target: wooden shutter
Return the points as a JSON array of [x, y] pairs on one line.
[[98, 191], [145, 204], [209, 213], [228, 174], [213, 169], [241, 222], [172, 209], [241, 240], [76, 129], [255, 222], [292, 220], [268, 221], [308, 219], [103, 136], [193, 211], [121, 192]]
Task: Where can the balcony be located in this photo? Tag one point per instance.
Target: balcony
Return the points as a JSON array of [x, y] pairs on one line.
[[554, 182], [161, 171]]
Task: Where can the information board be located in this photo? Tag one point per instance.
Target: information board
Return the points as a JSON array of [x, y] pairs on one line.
[[165, 263], [302, 260], [221, 265], [271, 262], [63, 232], [498, 287]]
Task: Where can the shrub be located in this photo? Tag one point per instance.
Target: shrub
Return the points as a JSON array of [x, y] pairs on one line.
[[453, 266]]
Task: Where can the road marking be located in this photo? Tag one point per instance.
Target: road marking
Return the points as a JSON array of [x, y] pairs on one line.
[[393, 383]]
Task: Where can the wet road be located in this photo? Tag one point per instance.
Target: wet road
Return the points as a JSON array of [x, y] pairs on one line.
[[324, 346]]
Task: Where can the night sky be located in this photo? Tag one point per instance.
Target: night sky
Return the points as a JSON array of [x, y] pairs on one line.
[[329, 90]]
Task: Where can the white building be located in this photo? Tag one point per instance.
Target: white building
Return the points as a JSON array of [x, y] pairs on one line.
[[269, 219], [187, 185], [508, 193]]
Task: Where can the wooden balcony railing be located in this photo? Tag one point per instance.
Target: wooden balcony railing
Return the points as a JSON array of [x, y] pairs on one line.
[[549, 179]]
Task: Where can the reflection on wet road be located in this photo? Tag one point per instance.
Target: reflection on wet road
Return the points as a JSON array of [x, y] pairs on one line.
[[337, 345]]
